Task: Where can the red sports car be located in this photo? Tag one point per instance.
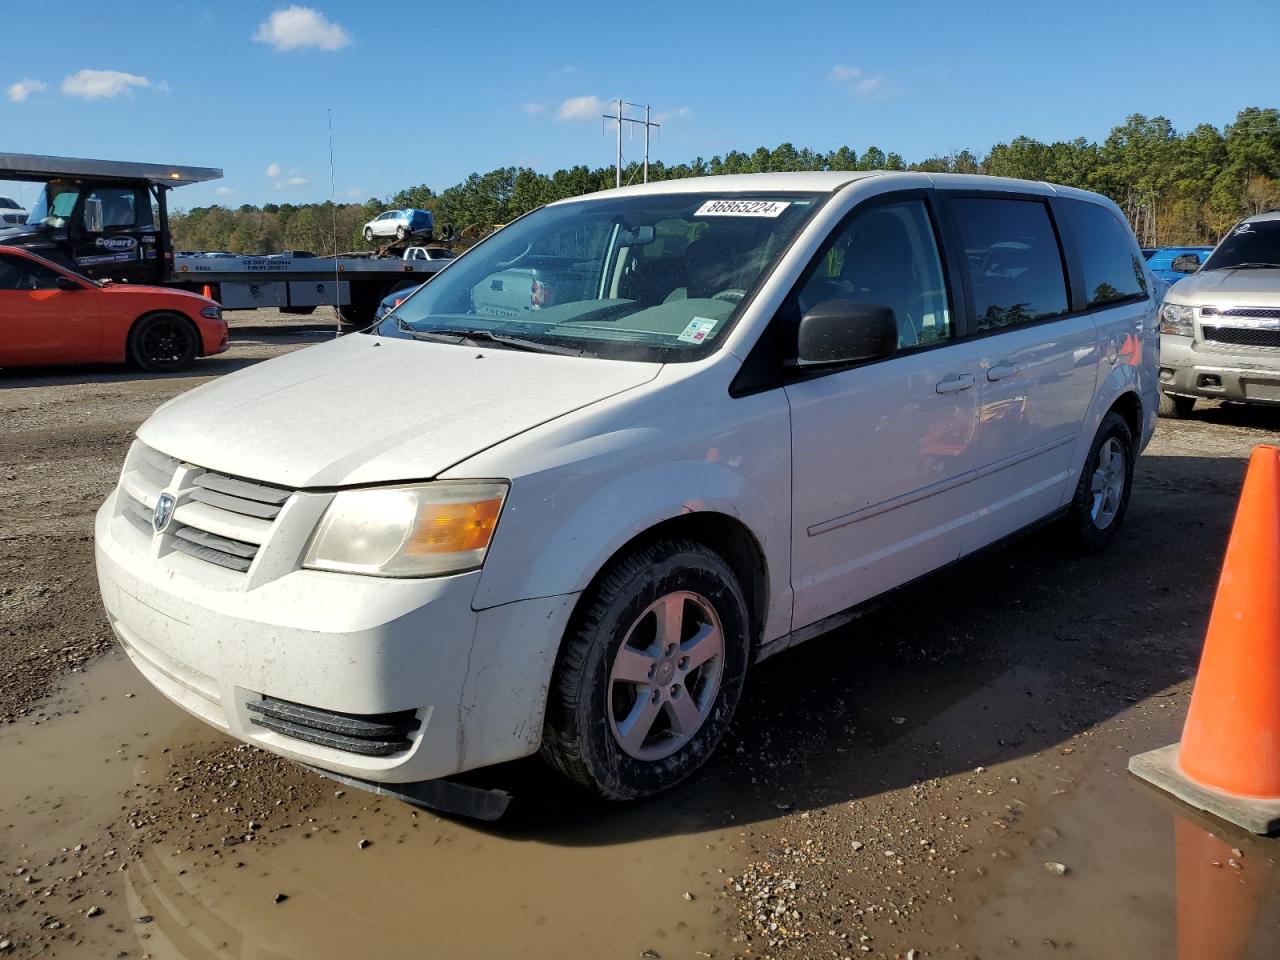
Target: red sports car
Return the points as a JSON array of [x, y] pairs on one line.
[[51, 315]]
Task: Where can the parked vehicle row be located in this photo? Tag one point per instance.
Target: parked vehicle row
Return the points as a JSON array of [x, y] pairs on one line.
[[506, 521]]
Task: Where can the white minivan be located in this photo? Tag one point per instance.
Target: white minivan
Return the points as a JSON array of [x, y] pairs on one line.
[[565, 495]]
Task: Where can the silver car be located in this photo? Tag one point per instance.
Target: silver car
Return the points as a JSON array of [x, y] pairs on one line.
[[1220, 326], [399, 224]]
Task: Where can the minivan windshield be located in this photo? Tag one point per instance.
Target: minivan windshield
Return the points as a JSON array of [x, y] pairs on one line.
[[651, 277], [1252, 244]]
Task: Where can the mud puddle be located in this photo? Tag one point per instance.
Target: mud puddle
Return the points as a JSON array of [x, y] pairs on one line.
[[131, 830]]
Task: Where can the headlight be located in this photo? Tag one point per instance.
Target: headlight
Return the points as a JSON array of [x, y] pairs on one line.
[[1176, 319], [213, 313], [420, 531]]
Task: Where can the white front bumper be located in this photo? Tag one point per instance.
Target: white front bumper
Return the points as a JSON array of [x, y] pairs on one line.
[[477, 679]]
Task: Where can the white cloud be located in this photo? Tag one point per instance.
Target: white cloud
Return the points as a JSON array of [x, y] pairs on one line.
[[676, 114], [96, 84], [25, 88], [273, 169], [296, 27], [225, 191], [533, 109], [866, 86], [580, 108], [290, 182]]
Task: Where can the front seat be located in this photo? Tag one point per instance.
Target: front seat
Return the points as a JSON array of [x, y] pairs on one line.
[[879, 265]]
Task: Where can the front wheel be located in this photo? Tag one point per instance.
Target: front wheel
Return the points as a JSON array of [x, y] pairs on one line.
[[401, 233], [1102, 496], [1176, 408], [368, 234], [162, 343], [650, 673]]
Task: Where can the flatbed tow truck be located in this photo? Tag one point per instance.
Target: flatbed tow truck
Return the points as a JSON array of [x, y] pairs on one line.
[[109, 220]]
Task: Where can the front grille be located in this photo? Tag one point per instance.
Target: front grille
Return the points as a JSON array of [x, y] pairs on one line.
[[219, 519], [368, 734], [1243, 336], [1250, 313]]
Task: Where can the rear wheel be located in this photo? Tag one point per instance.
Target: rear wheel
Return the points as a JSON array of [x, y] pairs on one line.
[[355, 314], [162, 343], [650, 672], [1101, 500], [401, 233], [1176, 408]]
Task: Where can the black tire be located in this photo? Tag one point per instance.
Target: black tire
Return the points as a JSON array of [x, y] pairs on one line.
[[1174, 407], [368, 234], [401, 233], [355, 315], [579, 739], [163, 343], [1085, 526]]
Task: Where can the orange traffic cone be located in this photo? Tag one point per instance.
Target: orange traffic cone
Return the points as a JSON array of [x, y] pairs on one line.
[[1228, 762]]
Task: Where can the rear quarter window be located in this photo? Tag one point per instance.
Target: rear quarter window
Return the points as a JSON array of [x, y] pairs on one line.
[[1111, 262]]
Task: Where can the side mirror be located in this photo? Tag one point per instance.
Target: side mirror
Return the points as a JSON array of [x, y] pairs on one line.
[[845, 331], [93, 215], [66, 283], [1185, 263]]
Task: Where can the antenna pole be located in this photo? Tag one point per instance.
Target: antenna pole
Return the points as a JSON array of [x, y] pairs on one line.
[[333, 203]]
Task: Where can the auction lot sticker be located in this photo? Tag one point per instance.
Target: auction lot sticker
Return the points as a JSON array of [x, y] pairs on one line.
[[742, 208]]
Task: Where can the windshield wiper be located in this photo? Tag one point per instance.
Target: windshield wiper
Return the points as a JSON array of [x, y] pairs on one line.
[[454, 335]]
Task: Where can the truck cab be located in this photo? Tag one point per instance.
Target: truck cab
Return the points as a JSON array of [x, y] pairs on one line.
[[104, 219]]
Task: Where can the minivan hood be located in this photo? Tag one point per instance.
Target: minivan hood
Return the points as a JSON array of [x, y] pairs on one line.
[[366, 409], [1259, 287]]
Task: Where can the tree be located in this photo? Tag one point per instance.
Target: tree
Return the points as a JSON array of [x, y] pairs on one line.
[[1175, 187]]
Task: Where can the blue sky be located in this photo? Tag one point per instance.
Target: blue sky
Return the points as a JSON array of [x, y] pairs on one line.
[[427, 93]]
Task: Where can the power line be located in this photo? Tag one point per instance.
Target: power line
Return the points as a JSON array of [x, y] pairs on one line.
[[620, 118]]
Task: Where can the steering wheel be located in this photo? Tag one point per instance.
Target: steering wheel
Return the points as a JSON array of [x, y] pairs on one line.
[[731, 294]]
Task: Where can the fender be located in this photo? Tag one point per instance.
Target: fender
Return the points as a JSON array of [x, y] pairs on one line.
[[587, 490]]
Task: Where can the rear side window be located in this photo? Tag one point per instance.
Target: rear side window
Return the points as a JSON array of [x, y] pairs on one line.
[[18, 273], [1012, 257], [1111, 260]]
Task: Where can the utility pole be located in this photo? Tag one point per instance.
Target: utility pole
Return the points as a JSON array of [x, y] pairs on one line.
[[646, 147], [621, 118]]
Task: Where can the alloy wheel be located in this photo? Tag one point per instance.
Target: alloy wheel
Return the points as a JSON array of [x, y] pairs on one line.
[[1107, 483], [666, 676]]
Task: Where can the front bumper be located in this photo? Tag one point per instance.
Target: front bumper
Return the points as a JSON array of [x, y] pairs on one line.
[[1192, 368], [477, 680]]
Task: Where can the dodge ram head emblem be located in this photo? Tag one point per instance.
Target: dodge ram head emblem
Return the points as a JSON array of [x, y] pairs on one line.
[[163, 513]]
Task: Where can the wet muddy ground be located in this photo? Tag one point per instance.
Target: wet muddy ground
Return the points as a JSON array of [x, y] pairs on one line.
[[945, 777]]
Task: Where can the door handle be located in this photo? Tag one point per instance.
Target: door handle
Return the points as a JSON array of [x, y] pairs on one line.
[[956, 383], [998, 371]]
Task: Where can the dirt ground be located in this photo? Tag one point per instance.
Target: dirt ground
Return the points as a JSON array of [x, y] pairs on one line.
[[943, 778]]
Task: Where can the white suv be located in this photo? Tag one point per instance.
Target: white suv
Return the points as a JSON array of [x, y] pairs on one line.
[[710, 418], [1221, 326]]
